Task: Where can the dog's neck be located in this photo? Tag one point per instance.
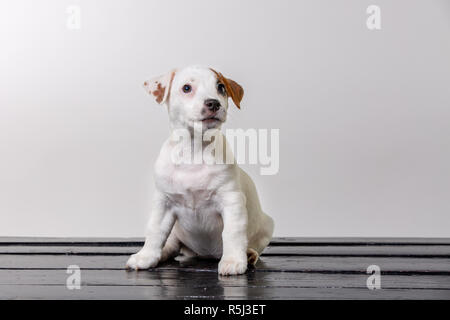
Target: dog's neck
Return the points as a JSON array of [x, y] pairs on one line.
[[195, 139]]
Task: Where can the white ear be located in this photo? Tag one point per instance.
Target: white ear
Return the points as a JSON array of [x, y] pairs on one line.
[[160, 86]]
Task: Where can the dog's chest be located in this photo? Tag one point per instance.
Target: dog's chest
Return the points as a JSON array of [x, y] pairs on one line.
[[189, 186]]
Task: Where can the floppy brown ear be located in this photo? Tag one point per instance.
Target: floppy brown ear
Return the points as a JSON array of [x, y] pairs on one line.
[[159, 87], [234, 90]]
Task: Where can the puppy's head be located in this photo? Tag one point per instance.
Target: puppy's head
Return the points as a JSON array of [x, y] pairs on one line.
[[195, 96]]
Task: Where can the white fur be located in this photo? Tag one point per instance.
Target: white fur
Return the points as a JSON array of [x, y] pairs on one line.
[[200, 209]]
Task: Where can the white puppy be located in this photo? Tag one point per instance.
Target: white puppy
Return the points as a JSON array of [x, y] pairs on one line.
[[201, 209]]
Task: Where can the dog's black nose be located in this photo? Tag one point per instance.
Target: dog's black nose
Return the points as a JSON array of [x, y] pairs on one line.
[[212, 104]]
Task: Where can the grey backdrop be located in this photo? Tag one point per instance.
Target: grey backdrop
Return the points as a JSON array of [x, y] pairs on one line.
[[363, 115]]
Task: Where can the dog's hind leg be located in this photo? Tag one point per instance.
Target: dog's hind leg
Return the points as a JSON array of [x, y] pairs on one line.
[[171, 247], [185, 254], [252, 256], [262, 238]]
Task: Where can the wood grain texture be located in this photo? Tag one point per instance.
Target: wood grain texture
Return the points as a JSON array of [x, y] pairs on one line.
[[265, 264], [232, 293], [157, 277], [291, 268], [437, 251], [297, 241]]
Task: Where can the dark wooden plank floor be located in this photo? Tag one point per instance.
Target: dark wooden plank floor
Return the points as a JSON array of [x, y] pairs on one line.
[[290, 268]]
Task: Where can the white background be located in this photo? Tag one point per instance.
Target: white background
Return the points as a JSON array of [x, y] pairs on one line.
[[364, 116]]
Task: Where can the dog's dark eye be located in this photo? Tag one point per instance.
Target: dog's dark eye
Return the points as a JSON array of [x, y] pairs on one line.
[[221, 88], [187, 88]]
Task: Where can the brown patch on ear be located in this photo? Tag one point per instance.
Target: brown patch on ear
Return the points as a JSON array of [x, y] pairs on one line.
[[235, 91], [159, 93], [159, 87]]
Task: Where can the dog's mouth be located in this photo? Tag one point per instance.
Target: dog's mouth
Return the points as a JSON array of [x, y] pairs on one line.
[[211, 119]]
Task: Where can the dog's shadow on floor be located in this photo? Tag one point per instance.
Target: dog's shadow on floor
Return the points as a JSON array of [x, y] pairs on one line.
[[203, 264]]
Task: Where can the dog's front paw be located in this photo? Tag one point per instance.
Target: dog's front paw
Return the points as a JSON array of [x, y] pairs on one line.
[[232, 266], [143, 260]]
